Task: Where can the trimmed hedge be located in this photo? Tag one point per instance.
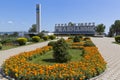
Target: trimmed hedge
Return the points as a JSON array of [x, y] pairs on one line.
[[45, 38], [76, 39], [0, 46], [51, 43], [89, 43], [52, 37], [21, 41], [117, 38], [87, 38], [35, 38]]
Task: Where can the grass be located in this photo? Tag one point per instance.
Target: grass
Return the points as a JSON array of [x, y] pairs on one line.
[[6, 47], [116, 43], [47, 59]]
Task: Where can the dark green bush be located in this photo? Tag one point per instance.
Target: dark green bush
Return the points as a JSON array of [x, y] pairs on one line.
[[0, 46], [61, 51], [117, 38], [89, 43], [76, 39], [41, 35], [7, 40], [80, 36], [21, 41], [51, 43], [45, 38], [52, 37], [35, 38], [86, 38], [71, 37]]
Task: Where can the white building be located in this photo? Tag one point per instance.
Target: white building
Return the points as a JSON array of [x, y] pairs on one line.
[[80, 28]]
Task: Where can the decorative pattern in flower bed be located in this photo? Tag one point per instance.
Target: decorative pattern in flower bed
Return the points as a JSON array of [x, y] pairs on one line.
[[19, 67]]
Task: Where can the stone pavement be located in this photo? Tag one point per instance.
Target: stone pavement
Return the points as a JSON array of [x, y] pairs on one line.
[[111, 53]]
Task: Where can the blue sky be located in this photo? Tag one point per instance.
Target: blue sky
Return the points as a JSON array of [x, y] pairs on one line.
[[19, 15]]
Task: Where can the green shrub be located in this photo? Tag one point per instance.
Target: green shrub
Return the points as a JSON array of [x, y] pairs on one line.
[[52, 37], [22, 41], [89, 43], [51, 43], [80, 36], [71, 37], [61, 51], [41, 35], [7, 40], [76, 39], [86, 38], [0, 46], [45, 38], [117, 38], [35, 38]]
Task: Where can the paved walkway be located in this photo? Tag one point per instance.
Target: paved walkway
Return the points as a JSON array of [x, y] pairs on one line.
[[109, 50], [111, 54]]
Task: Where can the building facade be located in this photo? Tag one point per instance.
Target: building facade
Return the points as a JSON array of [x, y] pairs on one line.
[[73, 28]]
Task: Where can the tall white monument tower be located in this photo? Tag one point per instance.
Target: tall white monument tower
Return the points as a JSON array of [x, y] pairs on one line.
[[38, 18]]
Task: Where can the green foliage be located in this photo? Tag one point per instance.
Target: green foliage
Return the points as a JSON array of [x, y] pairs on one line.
[[51, 43], [33, 28], [117, 38], [76, 39], [71, 24], [6, 40], [52, 37], [89, 43], [0, 46], [71, 37], [35, 38], [61, 53], [86, 38], [80, 36], [115, 28], [45, 38], [41, 35], [100, 28], [22, 40]]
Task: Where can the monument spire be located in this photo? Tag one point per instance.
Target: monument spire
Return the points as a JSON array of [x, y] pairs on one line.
[[38, 18]]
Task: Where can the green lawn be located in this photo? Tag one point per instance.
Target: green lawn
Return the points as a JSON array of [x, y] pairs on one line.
[[116, 43], [48, 57], [6, 47]]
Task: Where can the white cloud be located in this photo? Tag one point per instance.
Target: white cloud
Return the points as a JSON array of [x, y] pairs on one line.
[[10, 22]]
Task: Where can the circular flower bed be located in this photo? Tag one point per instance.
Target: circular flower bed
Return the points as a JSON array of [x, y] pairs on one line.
[[19, 67]]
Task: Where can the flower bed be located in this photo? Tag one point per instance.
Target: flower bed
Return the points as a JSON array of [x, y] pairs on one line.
[[19, 67]]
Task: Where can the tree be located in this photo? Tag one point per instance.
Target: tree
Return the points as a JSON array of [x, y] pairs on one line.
[[111, 31], [41, 34], [15, 34], [33, 28], [61, 53], [115, 28], [76, 39], [70, 24], [100, 28]]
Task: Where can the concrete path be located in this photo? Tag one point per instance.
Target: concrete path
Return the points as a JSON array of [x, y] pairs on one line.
[[111, 53]]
